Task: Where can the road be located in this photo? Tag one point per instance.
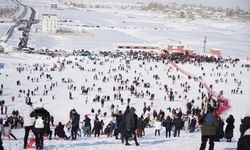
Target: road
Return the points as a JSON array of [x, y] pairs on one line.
[[19, 22]]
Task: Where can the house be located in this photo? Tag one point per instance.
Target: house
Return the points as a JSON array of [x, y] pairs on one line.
[[177, 49], [215, 51], [136, 46], [49, 23], [160, 47]]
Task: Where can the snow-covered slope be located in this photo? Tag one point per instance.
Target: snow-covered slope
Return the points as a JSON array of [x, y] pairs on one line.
[[61, 105]]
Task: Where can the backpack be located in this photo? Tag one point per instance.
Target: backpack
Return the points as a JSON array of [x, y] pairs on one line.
[[39, 123]]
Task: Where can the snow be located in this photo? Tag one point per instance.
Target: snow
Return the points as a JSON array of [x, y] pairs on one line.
[[103, 28], [61, 105], [4, 28]]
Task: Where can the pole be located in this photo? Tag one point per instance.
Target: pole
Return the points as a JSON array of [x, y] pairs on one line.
[[205, 41]]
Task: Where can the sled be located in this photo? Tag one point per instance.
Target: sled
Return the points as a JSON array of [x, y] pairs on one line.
[[31, 142]]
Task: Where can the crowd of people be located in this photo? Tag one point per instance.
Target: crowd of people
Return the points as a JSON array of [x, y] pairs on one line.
[[126, 124]]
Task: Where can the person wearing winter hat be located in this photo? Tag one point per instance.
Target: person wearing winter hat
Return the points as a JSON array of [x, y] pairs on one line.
[[28, 122], [208, 129], [41, 115]]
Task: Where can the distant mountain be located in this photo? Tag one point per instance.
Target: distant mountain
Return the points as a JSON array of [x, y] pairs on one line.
[[243, 4]]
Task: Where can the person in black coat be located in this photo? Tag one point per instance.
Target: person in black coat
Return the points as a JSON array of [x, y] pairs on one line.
[[97, 127], [122, 124], [229, 128], [1, 142], [75, 119], [178, 123], [118, 123], [130, 125], [192, 124], [59, 131], [87, 126], [47, 131], [219, 129], [245, 124], [168, 125], [38, 113], [244, 141]]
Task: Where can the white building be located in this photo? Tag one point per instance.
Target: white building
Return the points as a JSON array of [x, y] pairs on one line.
[[49, 23], [137, 46]]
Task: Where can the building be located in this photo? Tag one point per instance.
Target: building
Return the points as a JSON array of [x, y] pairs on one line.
[[136, 47], [53, 6], [215, 51], [176, 49], [49, 23], [160, 47]]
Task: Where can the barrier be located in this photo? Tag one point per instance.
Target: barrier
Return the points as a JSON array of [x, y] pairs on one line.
[[224, 105]]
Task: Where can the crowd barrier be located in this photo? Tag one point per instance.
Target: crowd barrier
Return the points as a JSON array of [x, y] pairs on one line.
[[223, 105]]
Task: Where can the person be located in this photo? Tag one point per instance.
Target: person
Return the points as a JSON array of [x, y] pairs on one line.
[[130, 125], [140, 127], [157, 126], [97, 127], [243, 143], [7, 130], [1, 142], [219, 129], [47, 131], [109, 129], [178, 124], [229, 128], [75, 119], [208, 129], [1, 127], [87, 126], [122, 124], [168, 125], [59, 131], [192, 124], [52, 120], [118, 117], [28, 122], [40, 115], [245, 124]]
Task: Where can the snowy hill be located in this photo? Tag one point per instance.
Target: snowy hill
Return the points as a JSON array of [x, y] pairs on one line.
[[124, 21], [61, 105]]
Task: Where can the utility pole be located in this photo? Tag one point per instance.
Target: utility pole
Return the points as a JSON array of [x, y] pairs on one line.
[[205, 41]]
